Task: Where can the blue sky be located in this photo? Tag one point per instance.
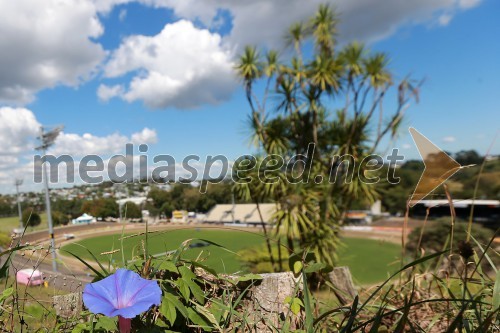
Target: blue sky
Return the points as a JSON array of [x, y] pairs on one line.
[[107, 45]]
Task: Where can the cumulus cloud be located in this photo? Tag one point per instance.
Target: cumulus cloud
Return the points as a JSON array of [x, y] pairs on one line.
[[105, 93], [182, 67], [18, 129], [449, 139], [45, 43], [146, 136], [78, 145]]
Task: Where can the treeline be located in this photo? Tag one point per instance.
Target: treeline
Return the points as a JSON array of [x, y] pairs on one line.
[[160, 203], [186, 197]]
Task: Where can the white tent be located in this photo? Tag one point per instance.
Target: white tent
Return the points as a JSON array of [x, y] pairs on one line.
[[85, 218]]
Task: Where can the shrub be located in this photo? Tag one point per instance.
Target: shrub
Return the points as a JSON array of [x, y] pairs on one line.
[[31, 218], [58, 218], [436, 235], [131, 211]]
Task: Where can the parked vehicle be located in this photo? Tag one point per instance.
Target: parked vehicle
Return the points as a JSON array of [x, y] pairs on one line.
[[29, 277]]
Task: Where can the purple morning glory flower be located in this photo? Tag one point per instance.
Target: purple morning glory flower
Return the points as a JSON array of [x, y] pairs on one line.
[[123, 294]]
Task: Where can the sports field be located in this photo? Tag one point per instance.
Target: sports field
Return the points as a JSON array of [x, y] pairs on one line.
[[369, 260]]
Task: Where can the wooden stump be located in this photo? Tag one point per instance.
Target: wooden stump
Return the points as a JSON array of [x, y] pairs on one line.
[[69, 305], [265, 305], [341, 279]]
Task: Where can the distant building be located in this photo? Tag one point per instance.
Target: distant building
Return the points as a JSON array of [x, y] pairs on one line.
[[241, 214], [136, 200], [179, 216], [358, 217], [485, 211]]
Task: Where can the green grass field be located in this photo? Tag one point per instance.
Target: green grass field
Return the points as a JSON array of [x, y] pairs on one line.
[[7, 224], [369, 260]]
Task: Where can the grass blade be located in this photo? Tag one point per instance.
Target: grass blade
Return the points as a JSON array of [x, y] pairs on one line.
[[496, 293], [99, 274]]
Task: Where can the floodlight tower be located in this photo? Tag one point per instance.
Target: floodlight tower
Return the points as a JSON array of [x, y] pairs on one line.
[[18, 183], [47, 139]]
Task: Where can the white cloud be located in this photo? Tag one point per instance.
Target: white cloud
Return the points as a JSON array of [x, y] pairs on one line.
[[444, 19], [8, 161], [18, 129], [406, 146], [468, 3], [146, 136], [45, 43], [105, 93], [449, 139], [182, 67], [79, 145]]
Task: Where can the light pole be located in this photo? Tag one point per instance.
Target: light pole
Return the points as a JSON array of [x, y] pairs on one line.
[[47, 139], [18, 183]]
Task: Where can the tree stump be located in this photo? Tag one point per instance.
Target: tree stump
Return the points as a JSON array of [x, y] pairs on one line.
[[344, 289], [264, 306], [69, 305]]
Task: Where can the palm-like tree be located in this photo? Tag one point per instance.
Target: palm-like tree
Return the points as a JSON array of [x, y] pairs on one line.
[[376, 70], [325, 73], [249, 69], [352, 59], [296, 35], [309, 212], [324, 28]]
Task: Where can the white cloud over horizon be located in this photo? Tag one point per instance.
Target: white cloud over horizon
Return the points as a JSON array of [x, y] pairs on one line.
[[19, 129], [86, 144]]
